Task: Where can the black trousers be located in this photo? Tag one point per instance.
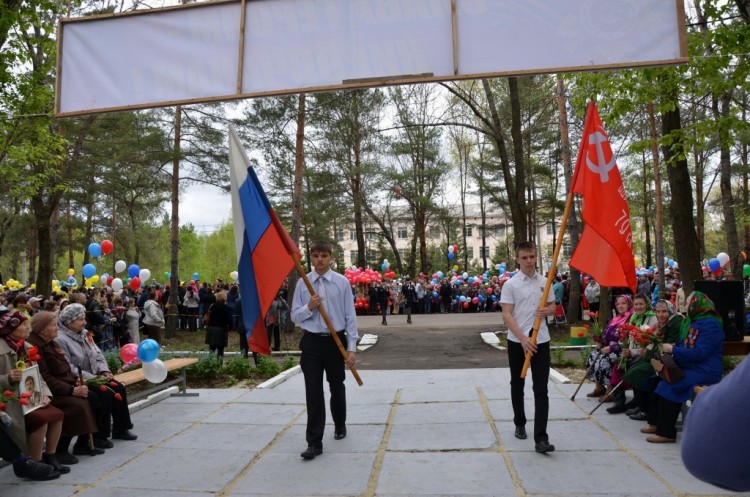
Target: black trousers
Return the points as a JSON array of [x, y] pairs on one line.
[[320, 354], [9, 451], [663, 413], [540, 364], [274, 331], [111, 414]]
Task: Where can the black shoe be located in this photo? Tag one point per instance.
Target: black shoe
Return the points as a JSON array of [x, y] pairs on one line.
[[520, 432], [639, 416], [51, 459], [66, 458], [340, 433], [103, 443], [83, 450], [632, 411], [617, 409], [384, 323], [408, 321], [312, 452], [124, 435], [543, 447], [631, 404], [38, 471]]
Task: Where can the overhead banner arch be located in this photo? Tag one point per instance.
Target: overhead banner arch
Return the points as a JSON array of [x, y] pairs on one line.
[[232, 49]]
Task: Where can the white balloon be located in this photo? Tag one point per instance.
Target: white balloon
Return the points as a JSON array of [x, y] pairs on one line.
[[144, 275], [465, 275], [116, 284], [450, 248], [723, 258], [235, 275], [155, 371], [120, 266]]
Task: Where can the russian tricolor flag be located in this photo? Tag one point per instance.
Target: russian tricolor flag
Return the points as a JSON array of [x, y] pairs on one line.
[[263, 246]]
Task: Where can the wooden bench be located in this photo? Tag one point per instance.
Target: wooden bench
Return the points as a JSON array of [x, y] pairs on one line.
[[136, 375], [737, 348]]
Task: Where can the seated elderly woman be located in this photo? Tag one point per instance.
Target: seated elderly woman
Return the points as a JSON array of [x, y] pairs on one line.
[[602, 361], [27, 431], [70, 397], [698, 354], [85, 359], [642, 375]]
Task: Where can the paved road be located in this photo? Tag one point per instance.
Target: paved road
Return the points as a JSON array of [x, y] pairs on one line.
[[435, 341]]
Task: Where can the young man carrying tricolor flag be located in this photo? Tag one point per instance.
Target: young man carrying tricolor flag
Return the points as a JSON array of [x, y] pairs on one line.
[[263, 246]]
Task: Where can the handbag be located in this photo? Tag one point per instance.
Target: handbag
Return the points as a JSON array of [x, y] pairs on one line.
[[207, 317], [666, 368]]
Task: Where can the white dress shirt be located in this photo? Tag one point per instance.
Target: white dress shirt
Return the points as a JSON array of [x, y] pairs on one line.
[[336, 296], [525, 293]]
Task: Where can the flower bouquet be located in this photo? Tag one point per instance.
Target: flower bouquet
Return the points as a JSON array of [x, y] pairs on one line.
[[103, 384], [597, 334], [26, 356], [11, 396]]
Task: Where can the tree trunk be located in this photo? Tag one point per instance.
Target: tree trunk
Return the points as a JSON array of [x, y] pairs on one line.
[[516, 201], [172, 307], [681, 204], [69, 217], [573, 227], [721, 113], [659, 229], [299, 166], [42, 214], [520, 163]]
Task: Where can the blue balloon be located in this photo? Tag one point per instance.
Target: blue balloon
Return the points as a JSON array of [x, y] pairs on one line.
[[148, 350], [195, 276], [134, 271], [670, 262], [89, 270], [714, 264], [494, 298], [512, 273], [450, 256], [435, 294], [471, 279], [95, 249], [72, 281]]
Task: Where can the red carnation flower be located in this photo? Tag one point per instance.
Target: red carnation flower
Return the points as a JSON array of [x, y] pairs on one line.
[[118, 396], [103, 388], [9, 393], [33, 350], [24, 402], [26, 395], [113, 383]]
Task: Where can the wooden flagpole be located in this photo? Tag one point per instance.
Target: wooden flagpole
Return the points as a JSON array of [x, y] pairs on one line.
[[324, 315], [553, 267]]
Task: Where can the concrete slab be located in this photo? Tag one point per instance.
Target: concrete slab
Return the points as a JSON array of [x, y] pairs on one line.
[[456, 474], [413, 432]]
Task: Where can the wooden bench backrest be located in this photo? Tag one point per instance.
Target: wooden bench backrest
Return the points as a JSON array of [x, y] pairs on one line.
[[136, 375]]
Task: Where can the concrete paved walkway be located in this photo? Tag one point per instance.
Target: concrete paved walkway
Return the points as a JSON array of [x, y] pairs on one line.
[[411, 433]]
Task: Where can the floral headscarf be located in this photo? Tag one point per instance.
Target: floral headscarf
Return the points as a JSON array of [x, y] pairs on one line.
[[699, 306], [625, 316]]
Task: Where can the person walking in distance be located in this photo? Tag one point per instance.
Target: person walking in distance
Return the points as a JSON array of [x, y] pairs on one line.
[[520, 297], [409, 291], [319, 351]]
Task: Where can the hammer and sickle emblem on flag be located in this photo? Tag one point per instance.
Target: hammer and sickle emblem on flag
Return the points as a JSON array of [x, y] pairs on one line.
[[602, 167]]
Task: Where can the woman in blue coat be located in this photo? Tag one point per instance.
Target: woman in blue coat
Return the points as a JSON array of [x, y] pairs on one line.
[[698, 354]]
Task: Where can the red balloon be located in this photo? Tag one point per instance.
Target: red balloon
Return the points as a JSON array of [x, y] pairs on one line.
[[135, 283], [109, 282], [466, 305], [475, 300], [107, 246], [489, 291]]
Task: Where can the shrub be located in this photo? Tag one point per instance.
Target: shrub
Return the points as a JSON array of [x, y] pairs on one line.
[[288, 363], [238, 367], [208, 366], [267, 367]]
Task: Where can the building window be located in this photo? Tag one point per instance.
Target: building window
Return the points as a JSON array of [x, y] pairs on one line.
[[500, 232], [354, 255], [484, 251], [403, 233], [549, 230], [470, 252], [340, 235], [467, 231], [402, 254], [371, 235], [566, 248], [352, 234]]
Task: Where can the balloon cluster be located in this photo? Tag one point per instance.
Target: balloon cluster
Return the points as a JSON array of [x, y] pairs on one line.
[[357, 275], [154, 369], [361, 303], [716, 264], [452, 251], [387, 273], [13, 284]]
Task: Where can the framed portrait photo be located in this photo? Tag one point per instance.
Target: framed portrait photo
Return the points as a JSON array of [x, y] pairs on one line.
[[31, 385]]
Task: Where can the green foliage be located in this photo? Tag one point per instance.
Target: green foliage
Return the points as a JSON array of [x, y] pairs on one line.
[[267, 367], [208, 367], [289, 363], [238, 368], [114, 363]]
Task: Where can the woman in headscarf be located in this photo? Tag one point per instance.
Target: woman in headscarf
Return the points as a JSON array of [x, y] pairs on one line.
[[642, 375], [85, 359], [607, 354], [29, 431], [698, 354], [644, 318], [70, 397]]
